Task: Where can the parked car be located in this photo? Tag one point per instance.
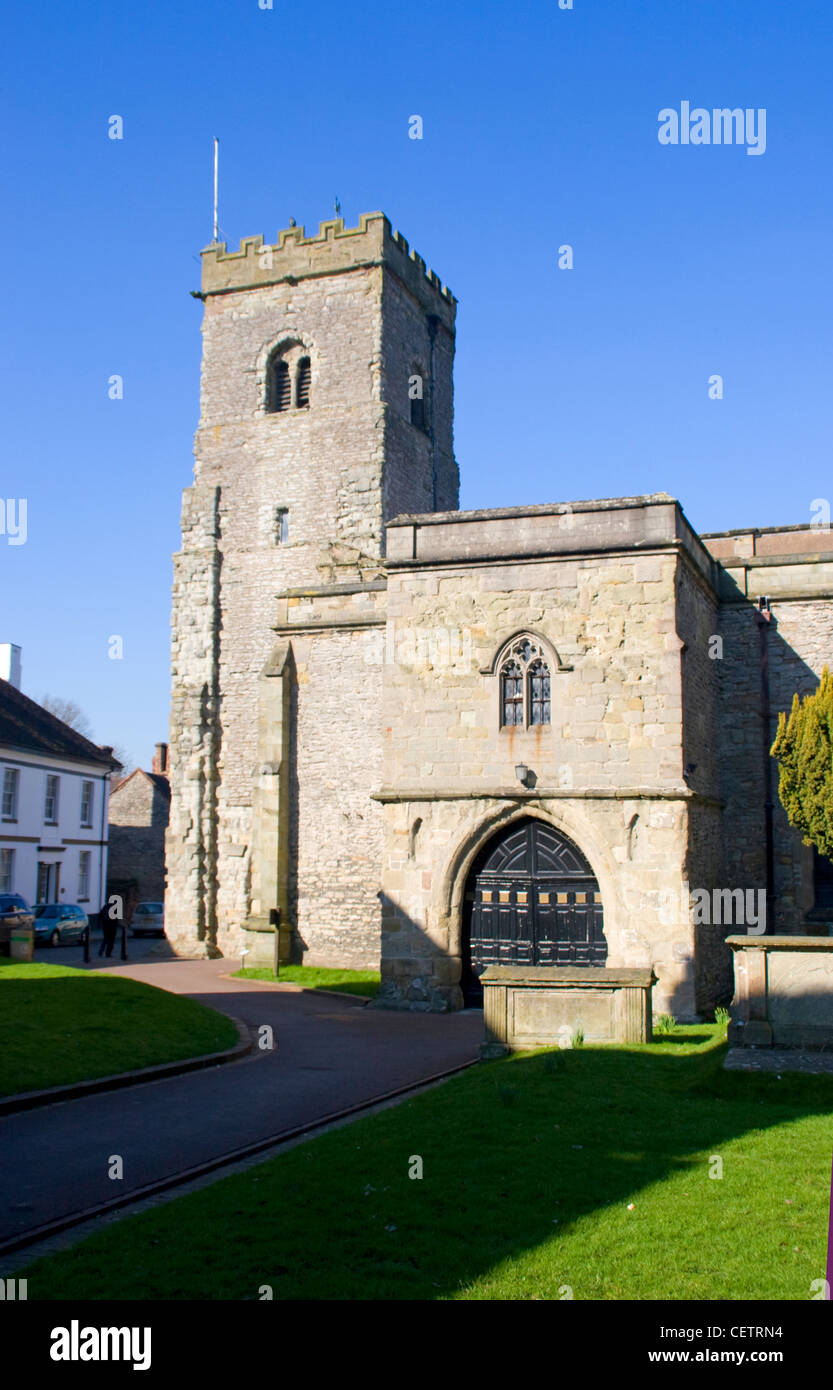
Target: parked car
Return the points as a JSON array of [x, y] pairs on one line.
[[148, 920], [59, 923], [14, 912]]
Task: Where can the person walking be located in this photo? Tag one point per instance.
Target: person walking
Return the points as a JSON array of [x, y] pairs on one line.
[[108, 931]]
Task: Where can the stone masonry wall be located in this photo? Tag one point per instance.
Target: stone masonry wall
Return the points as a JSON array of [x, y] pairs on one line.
[[138, 817], [608, 769], [793, 568], [300, 497], [406, 350], [336, 765], [190, 842], [697, 628]]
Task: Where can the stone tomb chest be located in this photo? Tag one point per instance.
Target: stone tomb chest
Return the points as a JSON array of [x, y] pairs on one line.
[[544, 1006], [783, 991]]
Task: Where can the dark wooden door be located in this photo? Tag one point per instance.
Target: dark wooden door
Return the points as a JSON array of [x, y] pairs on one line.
[[531, 899]]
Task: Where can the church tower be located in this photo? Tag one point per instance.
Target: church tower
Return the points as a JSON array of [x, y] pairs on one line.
[[326, 410]]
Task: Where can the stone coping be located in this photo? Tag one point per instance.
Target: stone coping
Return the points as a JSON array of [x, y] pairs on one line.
[[642, 976], [744, 531], [603, 504], [538, 794], [334, 590], [780, 943]]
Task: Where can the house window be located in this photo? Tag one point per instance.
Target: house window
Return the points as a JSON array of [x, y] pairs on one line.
[[50, 805], [6, 870], [302, 386], [84, 874], [86, 803], [10, 784], [279, 386], [525, 686]]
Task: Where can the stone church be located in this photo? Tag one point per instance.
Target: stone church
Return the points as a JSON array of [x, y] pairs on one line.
[[429, 739]]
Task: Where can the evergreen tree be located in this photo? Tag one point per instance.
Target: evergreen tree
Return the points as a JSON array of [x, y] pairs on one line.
[[804, 749]]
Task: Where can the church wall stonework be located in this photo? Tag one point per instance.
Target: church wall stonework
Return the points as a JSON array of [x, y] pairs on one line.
[[288, 505], [336, 749], [608, 768], [792, 570]]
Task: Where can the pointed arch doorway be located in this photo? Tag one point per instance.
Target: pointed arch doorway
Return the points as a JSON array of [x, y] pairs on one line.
[[531, 898]]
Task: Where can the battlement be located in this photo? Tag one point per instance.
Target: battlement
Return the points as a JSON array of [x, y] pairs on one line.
[[334, 251]]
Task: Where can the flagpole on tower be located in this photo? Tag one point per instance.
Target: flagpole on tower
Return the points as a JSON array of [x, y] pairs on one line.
[[216, 161]]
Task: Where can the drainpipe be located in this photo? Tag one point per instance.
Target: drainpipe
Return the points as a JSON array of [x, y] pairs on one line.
[[433, 325], [763, 618], [102, 848]]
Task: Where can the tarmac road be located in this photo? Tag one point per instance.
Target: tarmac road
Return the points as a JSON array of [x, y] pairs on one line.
[[329, 1053]]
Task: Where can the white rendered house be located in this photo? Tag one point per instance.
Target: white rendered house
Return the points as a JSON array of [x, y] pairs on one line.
[[54, 790]]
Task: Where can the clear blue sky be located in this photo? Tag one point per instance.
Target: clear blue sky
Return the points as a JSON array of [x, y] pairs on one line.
[[540, 128]]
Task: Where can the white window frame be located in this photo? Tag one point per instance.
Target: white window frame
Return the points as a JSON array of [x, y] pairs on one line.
[[85, 861], [56, 797], [11, 788], [89, 788]]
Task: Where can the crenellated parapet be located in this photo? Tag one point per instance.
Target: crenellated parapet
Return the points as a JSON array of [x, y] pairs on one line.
[[335, 250]]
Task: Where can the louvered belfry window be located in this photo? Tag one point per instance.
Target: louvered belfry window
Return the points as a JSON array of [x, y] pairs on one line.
[[525, 686], [303, 384], [512, 693], [280, 386]]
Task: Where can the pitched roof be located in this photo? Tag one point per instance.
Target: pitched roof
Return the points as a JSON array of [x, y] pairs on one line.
[[157, 780], [26, 725]]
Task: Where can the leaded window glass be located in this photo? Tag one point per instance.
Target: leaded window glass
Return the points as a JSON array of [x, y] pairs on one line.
[[525, 686], [538, 677], [512, 693]]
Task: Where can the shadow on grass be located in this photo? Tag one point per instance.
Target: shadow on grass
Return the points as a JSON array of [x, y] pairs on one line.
[[515, 1153]]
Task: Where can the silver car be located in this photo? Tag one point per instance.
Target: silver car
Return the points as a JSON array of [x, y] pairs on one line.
[[148, 920]]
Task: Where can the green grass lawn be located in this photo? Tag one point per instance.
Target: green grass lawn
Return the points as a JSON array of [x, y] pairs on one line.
[[59, 1025], [530, 1166], [364, 982]]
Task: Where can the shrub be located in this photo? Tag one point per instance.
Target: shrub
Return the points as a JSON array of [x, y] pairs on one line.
[[804, 749]]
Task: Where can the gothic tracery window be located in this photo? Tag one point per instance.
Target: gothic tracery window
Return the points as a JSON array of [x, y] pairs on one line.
[[525, 686]]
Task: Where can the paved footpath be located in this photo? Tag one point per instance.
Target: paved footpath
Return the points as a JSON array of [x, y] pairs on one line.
[[329, 1053]]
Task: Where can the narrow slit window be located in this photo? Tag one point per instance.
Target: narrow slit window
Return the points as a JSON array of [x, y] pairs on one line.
[[281, 526], [418, 412]]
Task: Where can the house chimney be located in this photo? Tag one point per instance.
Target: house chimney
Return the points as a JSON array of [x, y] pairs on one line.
[[160, 759], [10, 663]]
